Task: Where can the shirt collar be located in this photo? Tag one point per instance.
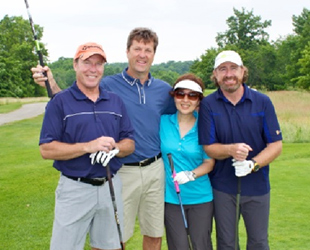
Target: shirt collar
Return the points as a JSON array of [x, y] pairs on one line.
[[174, 120], [79, 95], [131, 81]]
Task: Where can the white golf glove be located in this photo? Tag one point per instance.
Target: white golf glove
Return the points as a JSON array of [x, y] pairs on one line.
[[243, 168], [184, 177], [102, 157]]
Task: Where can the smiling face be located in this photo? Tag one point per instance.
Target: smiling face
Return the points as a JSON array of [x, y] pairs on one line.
[[89, 72], [229, 76], [140, 58], [186, 100]]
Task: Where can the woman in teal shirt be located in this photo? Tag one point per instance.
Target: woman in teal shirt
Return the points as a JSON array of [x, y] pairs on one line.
[[179, 137]]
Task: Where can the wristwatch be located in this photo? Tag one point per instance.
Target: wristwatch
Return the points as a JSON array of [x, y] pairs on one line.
[[256, 166]]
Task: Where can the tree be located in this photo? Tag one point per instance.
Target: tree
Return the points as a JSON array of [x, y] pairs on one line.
[[303, 81], [245, 31], [17, 56], [203, 68]]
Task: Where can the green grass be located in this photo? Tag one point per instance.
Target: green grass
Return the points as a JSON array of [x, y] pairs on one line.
[[27, 185], [9, 107]]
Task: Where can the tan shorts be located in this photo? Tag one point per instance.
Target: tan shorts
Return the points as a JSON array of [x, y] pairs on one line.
[[143, 196]]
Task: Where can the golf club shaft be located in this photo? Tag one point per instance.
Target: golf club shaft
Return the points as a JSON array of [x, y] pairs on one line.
[[112, 193], [237, 213], [177, 189], [47, 84]]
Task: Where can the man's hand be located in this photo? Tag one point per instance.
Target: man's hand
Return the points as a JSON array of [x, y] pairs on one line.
[[38, 77], [184, 177], [243, 168], [239, 151], [102, 157]]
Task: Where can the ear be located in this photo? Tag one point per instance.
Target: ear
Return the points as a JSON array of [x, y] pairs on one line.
[[75, 65]]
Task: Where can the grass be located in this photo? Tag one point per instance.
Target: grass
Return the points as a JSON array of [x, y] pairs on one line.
[[27, 186]]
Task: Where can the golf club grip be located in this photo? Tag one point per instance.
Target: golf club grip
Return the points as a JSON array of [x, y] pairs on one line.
[[47, 84], [176, 184]]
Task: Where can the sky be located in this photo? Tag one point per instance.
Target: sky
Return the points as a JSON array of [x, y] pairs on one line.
[[186, 28]]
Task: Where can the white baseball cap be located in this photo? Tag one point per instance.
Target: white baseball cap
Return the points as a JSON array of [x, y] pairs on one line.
[[227, 56], [188, 84]]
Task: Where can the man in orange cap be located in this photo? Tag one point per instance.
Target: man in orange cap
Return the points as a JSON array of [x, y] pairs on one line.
[[78, 122]]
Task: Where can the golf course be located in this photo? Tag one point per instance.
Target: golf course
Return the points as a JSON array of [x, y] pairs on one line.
[[27, 182]]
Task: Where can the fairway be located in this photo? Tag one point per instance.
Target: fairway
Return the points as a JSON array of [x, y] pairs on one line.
[[27, 185]]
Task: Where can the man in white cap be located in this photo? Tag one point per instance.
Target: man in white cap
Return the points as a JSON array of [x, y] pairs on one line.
[[238, 127]]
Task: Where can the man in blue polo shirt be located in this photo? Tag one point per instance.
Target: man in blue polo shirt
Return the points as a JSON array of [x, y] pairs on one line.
[[239, 128], [78, 122], [146, 99]]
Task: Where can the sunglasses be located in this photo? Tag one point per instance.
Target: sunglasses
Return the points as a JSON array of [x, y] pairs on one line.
[[193, 96]]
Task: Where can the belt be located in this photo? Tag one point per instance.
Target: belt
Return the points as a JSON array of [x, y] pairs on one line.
[[92, 181], [145, 162]]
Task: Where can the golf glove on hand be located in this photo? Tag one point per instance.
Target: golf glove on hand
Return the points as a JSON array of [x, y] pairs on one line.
[[243, 168], [102, 157], [184, 177]]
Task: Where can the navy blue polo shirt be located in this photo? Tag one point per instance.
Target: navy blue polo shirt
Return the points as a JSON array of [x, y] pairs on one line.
[[145, 104], [252, 121], [71, 117]]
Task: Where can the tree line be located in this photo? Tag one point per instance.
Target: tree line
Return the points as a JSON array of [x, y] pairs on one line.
[[273, 65]]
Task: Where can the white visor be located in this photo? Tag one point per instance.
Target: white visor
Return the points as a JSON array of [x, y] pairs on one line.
[[188, 84]]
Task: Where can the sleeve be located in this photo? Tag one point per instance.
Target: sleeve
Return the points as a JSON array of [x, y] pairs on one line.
[[52, 125], [272, 131], [206, 126], [126, 130]]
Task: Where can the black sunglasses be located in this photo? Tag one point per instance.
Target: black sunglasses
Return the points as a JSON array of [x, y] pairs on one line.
[[193, 96]]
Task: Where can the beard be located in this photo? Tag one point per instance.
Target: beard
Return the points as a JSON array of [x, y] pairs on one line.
[[231, 88]]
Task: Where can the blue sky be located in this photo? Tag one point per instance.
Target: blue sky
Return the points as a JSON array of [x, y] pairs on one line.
[[186, 28]]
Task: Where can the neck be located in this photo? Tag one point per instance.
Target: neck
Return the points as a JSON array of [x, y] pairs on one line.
[[186, 122], [234, 97], [186, 118], [142, 76], [91, 93]]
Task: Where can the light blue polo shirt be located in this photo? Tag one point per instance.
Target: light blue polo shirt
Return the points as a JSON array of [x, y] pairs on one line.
[[145, 104], [187, 154]]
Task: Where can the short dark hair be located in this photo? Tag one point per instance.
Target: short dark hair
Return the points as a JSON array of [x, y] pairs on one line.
[[144, 34]]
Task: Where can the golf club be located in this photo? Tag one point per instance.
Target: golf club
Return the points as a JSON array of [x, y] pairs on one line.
[[47, 84], [114, 206], [177, 189], [237, 214]]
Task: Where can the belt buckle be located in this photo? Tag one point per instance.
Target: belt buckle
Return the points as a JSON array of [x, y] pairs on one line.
[[141, 163], [103, 180]]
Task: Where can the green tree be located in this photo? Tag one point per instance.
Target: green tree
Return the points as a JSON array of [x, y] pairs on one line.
[[303, 81], [204, 66], [17, 56], [245, 30]]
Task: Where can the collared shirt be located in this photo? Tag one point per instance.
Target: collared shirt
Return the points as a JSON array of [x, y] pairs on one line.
[[252, 121], [145, 104], [187, 154], [71, 117]]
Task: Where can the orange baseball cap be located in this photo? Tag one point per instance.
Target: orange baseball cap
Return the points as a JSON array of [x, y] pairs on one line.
[[86, 50]]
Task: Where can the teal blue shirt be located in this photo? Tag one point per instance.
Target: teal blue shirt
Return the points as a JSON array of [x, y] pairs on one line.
[[187, 154]]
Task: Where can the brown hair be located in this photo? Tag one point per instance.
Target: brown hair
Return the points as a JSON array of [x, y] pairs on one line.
[[144, 34], [192, 77], [244, 79]]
